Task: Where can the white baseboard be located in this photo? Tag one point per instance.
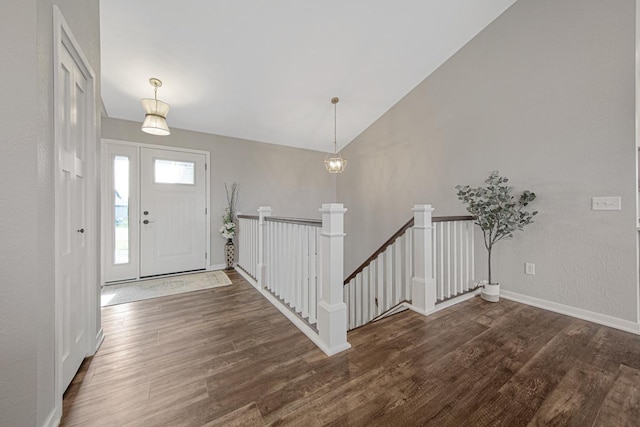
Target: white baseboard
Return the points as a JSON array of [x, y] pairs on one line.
[[399, 308], [216, 267], [99, 340], [302, 326], [53, 420], [602, 319], [299, 323], [446, 304], [457, 300], [248, 278]]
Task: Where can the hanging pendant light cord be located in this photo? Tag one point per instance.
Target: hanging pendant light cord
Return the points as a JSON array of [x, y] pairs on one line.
[[155, 94], [335, 163], [335, 131]]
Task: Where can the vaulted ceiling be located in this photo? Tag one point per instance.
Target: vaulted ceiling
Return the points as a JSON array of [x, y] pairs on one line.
[[267, 70]]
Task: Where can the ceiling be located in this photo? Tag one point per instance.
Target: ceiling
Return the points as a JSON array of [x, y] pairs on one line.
[[267, 70]]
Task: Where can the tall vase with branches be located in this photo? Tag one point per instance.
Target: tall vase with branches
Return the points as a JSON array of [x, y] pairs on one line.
[[497, 210], [228, 229]]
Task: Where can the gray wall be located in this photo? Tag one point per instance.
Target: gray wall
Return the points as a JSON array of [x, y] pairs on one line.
[[27, 394], [545, 95], [292, 181], [18, 247]]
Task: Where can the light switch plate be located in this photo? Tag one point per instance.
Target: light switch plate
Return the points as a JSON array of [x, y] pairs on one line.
[[606, 203]]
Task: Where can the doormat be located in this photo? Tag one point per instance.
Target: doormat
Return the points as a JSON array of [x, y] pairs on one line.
[[161, 287]]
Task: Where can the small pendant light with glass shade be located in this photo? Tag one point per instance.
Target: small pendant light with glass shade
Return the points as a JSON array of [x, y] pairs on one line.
[[334, 162], [155, 119]]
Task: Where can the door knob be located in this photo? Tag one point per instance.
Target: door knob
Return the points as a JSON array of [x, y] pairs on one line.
[[81, 230], [146, 221]]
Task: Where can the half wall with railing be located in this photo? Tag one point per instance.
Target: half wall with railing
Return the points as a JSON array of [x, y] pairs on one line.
[[383, 283], [298, 265]]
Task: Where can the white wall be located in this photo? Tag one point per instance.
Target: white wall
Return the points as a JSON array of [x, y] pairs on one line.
[[27, 395], [545, 94], [292, 181]]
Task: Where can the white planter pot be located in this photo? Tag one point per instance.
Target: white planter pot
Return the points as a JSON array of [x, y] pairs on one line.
[[490, 292]]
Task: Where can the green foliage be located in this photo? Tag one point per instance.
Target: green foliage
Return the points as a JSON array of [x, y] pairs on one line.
[[497, 210]]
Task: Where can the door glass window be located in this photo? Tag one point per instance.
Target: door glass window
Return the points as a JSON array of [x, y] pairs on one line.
[[173, 172], [121, 205]]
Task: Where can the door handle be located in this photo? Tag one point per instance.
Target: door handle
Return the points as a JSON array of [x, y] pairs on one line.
[[146, 221], [80, 230]]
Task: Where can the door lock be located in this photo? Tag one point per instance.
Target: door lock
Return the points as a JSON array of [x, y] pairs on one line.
[[80, 230], [146, 221]]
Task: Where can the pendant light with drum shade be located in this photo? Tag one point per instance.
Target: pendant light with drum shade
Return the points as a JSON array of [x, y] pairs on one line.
[[334, 162], [155, 119]]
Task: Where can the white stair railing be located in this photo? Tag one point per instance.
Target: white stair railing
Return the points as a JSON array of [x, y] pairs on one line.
[[293, 256], [384, 280], [298, 265], [248, 244], [453, 256], [428, 261]]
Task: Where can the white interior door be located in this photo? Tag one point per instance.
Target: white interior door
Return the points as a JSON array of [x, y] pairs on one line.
[[71, 214], [172, 212]]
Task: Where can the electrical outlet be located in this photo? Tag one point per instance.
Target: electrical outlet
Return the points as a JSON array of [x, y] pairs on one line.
[[529, 268]]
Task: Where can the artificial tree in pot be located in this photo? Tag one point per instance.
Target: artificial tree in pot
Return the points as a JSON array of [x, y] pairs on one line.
[[498, 213]]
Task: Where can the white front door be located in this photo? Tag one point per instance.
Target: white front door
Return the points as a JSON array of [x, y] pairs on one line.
[[172, 212], [71, 214]]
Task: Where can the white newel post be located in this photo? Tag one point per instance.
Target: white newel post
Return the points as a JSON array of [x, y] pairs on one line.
[[423, 282], [263, 212], [332, 311]]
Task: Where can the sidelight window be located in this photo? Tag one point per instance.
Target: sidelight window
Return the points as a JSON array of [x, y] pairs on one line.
[[121, 206]]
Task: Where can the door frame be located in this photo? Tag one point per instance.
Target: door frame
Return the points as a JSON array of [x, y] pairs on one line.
[[63, 39], [106, 191]]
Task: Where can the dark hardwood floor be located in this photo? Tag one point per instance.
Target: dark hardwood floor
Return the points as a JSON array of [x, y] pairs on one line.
[[226, 357]]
